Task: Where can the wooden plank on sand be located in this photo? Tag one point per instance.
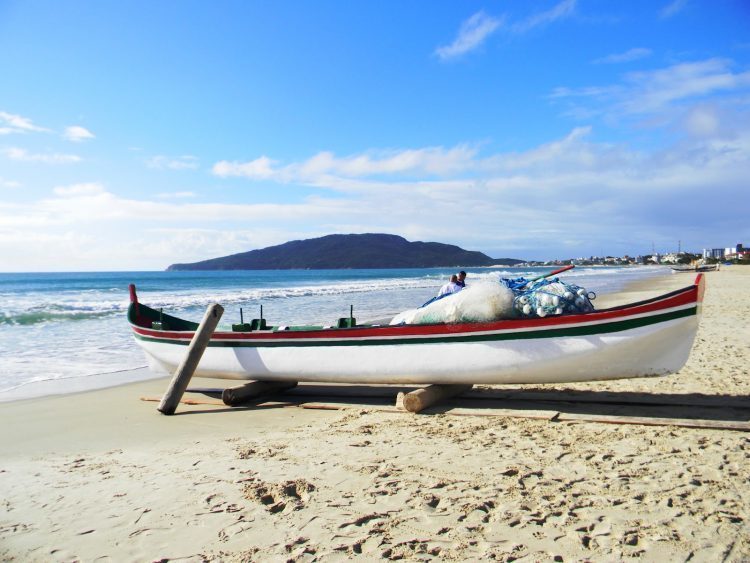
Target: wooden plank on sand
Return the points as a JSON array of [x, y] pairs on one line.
[[613, 397], [482, 394], [655, 421], [510, 413], [186, 401]]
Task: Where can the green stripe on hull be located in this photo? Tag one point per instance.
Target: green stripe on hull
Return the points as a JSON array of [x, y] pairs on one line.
[[616, 326]]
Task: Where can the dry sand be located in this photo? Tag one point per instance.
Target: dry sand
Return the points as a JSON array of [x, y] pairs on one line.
[[104, 476]]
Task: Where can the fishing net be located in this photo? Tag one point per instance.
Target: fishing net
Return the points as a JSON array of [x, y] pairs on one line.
[[492, 301], [548, 297], [480, 302]]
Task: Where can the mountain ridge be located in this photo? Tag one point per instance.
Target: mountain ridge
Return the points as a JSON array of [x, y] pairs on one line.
[[349, 251]]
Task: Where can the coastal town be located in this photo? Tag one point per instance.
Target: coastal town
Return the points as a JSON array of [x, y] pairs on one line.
[[737, 254]]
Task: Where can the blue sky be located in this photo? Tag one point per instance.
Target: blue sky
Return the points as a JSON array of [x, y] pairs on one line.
[[134, 135]]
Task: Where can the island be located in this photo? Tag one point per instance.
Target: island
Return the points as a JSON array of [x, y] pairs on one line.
[[361, 251]]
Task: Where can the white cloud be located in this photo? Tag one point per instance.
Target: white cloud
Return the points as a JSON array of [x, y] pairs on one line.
[[92, 203], [672, 9], [148, 249], [430, 160], [472, 33], [654, 90], [185, 162], [626, 57], [258, 169], [80, 190], [76, 133], [193, 244], [176, 195], [662, 93], [426, 161], [571, 188], [568, 170], [570, 152], [479, 27], [703, 121], [587, 92], [9, 183], [23, 155], [36, 250], [11, 123], [561, 195], [560, 11]]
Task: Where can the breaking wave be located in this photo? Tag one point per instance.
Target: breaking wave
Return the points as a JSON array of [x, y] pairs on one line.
[[37, 316]]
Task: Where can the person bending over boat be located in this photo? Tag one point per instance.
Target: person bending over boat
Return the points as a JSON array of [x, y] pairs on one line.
[[450, 287]]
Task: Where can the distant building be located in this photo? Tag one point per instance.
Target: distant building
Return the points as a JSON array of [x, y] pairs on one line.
[[717, 253], [736, 252], [743, 253]]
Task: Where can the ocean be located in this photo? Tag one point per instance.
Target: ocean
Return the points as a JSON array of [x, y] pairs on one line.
[[65, 332]]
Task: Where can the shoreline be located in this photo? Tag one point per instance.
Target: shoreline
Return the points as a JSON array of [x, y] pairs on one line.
[[102, 474], [74, 385]]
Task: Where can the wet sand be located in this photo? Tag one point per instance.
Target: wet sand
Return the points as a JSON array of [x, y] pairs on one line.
[[103, 475]]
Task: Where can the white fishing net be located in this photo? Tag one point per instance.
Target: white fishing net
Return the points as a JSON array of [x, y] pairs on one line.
[[480, 302]]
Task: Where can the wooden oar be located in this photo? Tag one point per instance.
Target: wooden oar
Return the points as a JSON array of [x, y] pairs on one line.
[[564, 269]]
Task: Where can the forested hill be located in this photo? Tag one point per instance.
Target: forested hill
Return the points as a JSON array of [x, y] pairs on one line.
[[349, 251]]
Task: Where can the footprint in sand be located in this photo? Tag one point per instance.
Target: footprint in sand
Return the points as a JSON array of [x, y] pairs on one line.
[[277, 496]]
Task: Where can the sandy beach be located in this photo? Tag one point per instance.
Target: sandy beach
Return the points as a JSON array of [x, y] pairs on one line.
[[102, 475]]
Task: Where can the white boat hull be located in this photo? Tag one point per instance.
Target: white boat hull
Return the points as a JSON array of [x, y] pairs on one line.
[[649, 338], [644, 351]]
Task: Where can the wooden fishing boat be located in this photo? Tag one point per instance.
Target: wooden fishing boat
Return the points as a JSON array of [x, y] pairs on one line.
[[648, 338], [695, 269]]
